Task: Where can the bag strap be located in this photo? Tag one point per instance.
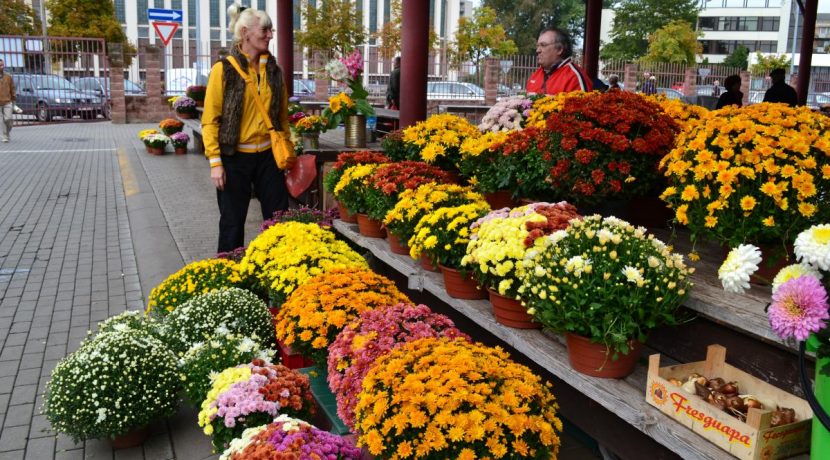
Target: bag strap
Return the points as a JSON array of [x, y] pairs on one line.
[[260, 105]]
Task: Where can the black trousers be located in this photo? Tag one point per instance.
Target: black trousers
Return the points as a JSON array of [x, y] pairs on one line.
[[241, 172]]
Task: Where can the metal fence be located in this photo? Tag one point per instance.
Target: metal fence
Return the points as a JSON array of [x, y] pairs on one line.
[[57, 78]]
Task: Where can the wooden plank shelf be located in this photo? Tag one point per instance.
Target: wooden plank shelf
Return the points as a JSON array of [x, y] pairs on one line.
[[625, 398]]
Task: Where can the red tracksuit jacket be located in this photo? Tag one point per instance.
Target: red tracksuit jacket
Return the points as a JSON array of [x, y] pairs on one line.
[[566, 77]]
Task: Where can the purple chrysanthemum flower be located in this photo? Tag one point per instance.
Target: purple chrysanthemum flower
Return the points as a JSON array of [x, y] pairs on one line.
[[799, 308]]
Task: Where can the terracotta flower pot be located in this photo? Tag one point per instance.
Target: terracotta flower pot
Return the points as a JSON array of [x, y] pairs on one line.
[[460, 286], [181, 150], [185, 115], [510, 312], [426, 264], [345, 215], [370, 227], [155, 150], [594, 359], [527, 201], [200, 103], [132, 438], [395, 245], [500, 199]]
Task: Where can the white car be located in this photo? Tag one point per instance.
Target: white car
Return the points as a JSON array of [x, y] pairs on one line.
[[454, 91]]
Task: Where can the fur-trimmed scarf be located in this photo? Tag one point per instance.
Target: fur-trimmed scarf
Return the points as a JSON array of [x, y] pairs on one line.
[[234, 95]]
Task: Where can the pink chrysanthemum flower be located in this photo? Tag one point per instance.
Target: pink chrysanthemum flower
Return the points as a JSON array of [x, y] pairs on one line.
[[799, 307]]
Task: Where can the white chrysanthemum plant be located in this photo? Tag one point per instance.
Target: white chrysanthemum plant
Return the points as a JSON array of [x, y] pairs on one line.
[[119, 381], [222, 350], [239, 310], [508, 114], [606, 280]]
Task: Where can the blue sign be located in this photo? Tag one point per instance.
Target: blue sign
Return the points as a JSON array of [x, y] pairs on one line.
[[159, 14]]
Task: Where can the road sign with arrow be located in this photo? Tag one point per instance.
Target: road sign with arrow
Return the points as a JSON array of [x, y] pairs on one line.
[[160, 14]]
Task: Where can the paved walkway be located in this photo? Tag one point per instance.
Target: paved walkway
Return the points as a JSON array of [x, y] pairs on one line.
[[89, 224]]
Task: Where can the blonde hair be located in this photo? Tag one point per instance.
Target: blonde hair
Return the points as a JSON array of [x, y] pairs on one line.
[[246, 17]]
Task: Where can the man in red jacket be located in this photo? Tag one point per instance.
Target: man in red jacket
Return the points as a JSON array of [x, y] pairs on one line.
[[556, 73]]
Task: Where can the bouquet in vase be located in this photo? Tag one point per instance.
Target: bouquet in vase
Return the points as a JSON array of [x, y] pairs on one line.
[[353, 100]]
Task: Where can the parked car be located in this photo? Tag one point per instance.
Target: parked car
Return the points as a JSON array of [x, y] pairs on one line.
[[671, 93], [302, 90], [709, 90], [454, 91], [46, 96], [100, 86]]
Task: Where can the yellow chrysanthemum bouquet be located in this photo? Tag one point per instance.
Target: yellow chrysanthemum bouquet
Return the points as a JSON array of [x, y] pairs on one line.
[[488, 167], [758, 174], [443, 398], [288, 254], [317, 311], [350, 190], [501, 240], [438, 139], [683, 113], [412, 205], [443, 233], [194, 279]]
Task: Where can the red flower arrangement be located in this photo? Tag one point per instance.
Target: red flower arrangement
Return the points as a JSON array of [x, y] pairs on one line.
[[528, 162], [391, 179], [374, 334], [608, 144], [348, 159]]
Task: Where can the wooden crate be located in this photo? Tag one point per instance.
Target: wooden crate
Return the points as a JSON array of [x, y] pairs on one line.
[[750, 440]]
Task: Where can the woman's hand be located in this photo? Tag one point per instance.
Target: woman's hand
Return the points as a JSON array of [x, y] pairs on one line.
[[217, 175]]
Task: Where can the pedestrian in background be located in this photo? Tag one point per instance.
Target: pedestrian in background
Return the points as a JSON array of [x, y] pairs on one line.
[[7, 99], [780, 91], [393, 91], [236, 137], [650, 85], [557, 72], [733, 94], [614, 83]]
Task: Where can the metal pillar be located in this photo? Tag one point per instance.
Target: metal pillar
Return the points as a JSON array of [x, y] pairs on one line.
[[808, 34], [414, 57], [285, 42], [593, 21]]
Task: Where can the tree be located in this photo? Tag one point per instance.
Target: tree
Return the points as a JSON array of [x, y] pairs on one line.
[[765, 64], [331, 25], [739, 58], [389, 35], [88, 19], [674, 42], [17, 18], [524, 19], [635, 20], [480, 37]]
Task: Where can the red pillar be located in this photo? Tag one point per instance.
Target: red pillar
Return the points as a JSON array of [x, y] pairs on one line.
[[593, 21], [808, 34], [414, 61], [285, 41]]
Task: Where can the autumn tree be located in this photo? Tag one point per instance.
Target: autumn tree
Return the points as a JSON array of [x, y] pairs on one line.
[[524, 19], [674, 42], [765, 64], [739, 58], [636, 20], [332, 25], [389, 36], [479, 37], [17, 18], [87, 19]]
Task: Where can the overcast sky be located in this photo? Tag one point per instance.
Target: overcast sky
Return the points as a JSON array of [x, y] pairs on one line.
[[823, 5]]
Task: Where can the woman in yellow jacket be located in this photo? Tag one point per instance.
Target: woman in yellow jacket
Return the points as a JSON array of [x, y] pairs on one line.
[[235, 135]]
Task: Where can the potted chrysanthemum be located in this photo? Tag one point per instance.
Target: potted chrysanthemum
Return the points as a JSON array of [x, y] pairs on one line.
[[288, 437], [156, 143], [499, 244], [179, 141], [604, 283], [346, 160], [442, 235]]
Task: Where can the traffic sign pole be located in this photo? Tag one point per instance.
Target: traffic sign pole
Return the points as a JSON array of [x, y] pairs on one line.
[[165, 22]]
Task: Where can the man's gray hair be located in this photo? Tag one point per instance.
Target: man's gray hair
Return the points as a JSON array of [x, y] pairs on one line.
[[562, 38]]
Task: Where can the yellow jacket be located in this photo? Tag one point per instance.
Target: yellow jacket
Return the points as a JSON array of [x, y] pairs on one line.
[[254, 133]]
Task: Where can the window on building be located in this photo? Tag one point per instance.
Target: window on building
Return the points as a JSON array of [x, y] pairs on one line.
[[707, 23], [214, 13], [191, 11], [387, 15], [733, 3], [757, 3], [373, 16], [176, 4], [143, 32], [142, 12], [120, 11]]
